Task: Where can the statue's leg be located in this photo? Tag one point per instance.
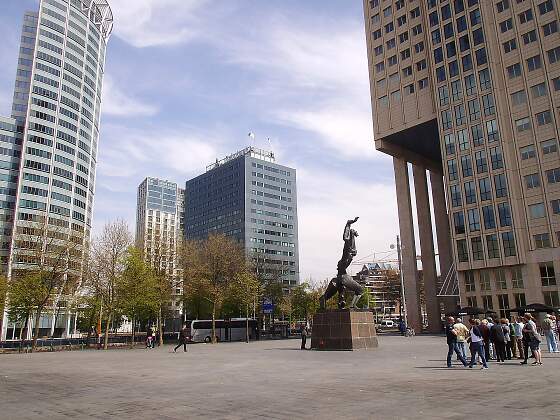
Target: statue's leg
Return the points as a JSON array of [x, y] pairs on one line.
[[351, 284], [329, 293]]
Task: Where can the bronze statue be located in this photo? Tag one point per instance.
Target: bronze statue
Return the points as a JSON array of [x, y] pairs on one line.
[[343, 281]]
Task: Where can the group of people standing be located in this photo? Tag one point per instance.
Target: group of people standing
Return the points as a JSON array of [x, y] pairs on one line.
[[501, 340]]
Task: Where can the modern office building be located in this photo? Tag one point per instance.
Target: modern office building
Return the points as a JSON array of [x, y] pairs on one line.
[[469, 90], [253, 199], [159, 218], [10, 151], [57, 102]]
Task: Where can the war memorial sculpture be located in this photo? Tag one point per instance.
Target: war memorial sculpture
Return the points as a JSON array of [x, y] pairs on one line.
[[344, 328]]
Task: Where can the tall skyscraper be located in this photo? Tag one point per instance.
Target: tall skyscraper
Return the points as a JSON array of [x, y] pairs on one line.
[[469, 90], [159, 222], [253, 199], [57, 102]]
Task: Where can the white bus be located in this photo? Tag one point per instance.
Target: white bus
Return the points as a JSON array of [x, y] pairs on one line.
[[226, 330]]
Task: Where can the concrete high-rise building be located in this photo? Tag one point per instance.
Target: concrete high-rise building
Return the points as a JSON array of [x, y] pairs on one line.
[[56, 107], [253, 199], [159, 222], [469, 90]]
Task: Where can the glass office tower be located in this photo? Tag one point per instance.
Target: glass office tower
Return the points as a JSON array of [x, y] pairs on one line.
[[57, 102], [251, 198]]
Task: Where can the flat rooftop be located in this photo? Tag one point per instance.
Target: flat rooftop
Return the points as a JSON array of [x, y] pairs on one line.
[[255, 152]]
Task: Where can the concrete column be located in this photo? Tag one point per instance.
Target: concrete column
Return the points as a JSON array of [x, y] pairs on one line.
[[427, 248], [443, 233], [406, 227]]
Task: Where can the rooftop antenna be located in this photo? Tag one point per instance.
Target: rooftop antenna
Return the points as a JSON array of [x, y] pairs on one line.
[[270, 146]]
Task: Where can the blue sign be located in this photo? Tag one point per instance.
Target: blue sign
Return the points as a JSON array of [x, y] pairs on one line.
[[267, 306]]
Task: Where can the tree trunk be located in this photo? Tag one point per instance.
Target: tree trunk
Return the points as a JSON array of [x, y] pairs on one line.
[[25, 326], [36, 329], [247, 324], [160, 326], [106, 341], [133, 335], [214, 323]]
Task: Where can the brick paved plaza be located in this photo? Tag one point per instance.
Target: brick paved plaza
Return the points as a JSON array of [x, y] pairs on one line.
[[404, 378]]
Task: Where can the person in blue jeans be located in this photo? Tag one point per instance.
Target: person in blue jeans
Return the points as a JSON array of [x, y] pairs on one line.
[[477, 345], [452, 342]]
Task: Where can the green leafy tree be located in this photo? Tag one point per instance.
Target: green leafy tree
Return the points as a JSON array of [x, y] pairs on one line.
[[245, 289], [46, 272], [208, 268], [138, 290], [3, 296], [366, 301]]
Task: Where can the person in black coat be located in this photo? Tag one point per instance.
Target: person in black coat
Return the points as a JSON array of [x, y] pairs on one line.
[[183, 338], [498, 339]]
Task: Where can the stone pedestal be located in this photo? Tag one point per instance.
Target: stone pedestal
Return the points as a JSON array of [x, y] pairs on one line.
[[343, 329]]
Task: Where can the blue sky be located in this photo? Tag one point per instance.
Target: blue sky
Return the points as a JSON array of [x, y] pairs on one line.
[[186, 80]]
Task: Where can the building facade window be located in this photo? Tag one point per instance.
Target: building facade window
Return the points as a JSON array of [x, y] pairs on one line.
[[462, 251], [508, 244], [548, 277], [477, 248], [542, 240], [492, 246]]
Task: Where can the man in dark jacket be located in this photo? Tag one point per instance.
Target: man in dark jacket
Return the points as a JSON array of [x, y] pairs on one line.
[[183, 338], [498, 339], [452, 342]]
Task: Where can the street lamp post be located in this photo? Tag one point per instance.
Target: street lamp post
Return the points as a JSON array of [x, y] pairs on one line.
[[403, 299]]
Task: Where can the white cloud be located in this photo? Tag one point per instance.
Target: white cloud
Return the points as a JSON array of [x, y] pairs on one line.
[[130, 155], [325, 202], [148, 23], [314, 78], [120, 104]]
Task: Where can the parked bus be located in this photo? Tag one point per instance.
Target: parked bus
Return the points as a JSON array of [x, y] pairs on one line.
[[226, 330]]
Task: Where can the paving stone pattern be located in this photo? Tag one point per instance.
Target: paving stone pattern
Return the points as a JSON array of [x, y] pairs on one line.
[[405, 378]]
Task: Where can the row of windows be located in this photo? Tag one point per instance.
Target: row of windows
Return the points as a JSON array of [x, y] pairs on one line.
[[500, 190], [481, 162], [476, 133], [492, 247], [500, 281], [272, 242], [534, 180], [488, 215], [547, 147], [268, 195]]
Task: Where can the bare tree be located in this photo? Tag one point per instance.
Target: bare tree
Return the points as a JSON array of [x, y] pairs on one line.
[[162, 261], [109, 253]]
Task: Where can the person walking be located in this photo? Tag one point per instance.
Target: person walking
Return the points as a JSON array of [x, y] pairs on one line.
[[498, 340], [518, 333], [183, 339], [485, 331], [548, 331], [304, 333], [505, 327], [513, 342], [452, 342], [477, 345], [462, 335]]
